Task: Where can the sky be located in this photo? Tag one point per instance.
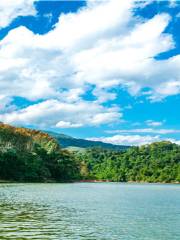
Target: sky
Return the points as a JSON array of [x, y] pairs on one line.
[[104, 70]]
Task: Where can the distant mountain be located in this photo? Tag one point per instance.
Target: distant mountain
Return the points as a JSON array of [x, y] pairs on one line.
[[69, 142]]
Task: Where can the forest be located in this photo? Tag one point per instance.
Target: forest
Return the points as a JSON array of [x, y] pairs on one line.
[[33, 156], [157, 162]]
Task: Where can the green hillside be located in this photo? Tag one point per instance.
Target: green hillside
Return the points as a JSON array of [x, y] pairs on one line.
[[157, 162], [30, 155], [33, 156]]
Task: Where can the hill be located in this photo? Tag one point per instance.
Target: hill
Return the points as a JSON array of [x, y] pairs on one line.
[[72, 143], [30, 155], [156, 162], [24, 139], [33, 156]]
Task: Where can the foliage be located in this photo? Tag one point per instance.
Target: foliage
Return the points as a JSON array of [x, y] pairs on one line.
[[157, 162], [29, 155]]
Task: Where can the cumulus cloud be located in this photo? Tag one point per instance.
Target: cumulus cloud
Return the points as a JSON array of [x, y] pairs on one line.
[[11, 9], [51, 112], [79, 55], [101, 47]]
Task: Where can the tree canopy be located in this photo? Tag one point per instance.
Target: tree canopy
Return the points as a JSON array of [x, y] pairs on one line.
[[29, 155]]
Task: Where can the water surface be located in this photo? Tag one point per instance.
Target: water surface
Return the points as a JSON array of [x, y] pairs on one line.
[[90, 211]]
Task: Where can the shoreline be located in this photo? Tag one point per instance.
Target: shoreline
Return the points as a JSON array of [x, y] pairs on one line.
[[138, 182], [86, 181]]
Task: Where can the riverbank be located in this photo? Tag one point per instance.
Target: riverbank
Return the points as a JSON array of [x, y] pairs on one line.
[[138, 182], [88, 181]]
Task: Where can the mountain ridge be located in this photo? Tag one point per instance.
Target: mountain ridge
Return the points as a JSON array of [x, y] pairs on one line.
[[67, 141]]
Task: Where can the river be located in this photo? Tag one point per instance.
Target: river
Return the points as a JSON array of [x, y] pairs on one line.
[[90, 211]]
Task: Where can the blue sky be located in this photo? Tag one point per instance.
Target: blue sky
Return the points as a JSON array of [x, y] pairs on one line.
[[101, 70]]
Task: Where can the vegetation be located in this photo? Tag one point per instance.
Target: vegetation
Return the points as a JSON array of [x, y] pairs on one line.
[[29, 155], [157, 162]]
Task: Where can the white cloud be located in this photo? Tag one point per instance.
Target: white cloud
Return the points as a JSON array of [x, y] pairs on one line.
[[96, 22], [173, 3], [79, 55], [103, 95], [54, 113], [11, 9], [146, 130], [178, 15], [4, 103], [152, 123], [62, 124], [102, 46], [127, 140], [133, 140]]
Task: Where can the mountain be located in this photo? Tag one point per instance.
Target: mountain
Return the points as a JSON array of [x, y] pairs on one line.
[[68, 142]]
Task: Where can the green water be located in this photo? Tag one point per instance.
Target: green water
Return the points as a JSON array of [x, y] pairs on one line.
[[98, 211]]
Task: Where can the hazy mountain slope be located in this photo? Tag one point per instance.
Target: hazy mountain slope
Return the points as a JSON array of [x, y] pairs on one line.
[[66, 141]]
